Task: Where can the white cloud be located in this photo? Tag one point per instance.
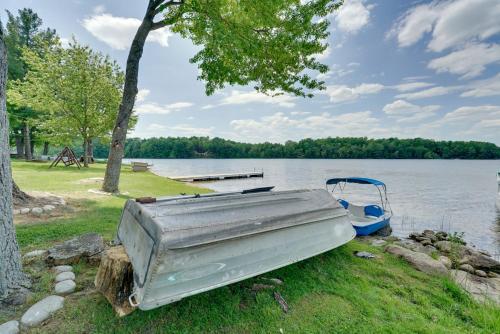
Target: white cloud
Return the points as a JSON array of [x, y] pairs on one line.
[[473, 113], [481, 88], [237, 97], [409, 86], [430, 92], [142, 94], [118, 32], [155, 108], [301, 113], [325, 54], [99, 9], [452, 23], [342, 93], [160, 130], [468, 62], [404, 111], [352, 16], [279, 127]]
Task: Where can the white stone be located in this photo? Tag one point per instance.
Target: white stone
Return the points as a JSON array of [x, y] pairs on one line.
[[35, 253], [67, 275], [37, 211], [62, 201], [16, 212], [62, 269], [48, 207], [39, 312], [10, 327], [378, 242], [65, 287], [25, 211]]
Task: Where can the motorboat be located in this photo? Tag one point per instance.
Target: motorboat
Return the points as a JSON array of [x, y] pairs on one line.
[[366, 218], [185, 245]]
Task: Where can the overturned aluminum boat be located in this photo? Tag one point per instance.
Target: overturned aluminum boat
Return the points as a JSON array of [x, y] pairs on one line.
[[181, 246]]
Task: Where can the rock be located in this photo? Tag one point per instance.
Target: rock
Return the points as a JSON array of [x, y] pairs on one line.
[[62, 201], [10, 327], [67, 275], [480, 261], [384, 231], [65, 287], [275, 281], [493, 275], [428, 233], [378, 242], [76, 249], [480, 273], [426, 242], [467, 267], [444, 246], [441, 235], [37, 211], [39, 312], [364, 255], [25, 211], [480, 288], [420, 261], [48, 207], [429, 249], [259, 287], [391, 238], [62, 269], [421, 238], [414, 235], [16, 212], [35, 253], [445, 261]]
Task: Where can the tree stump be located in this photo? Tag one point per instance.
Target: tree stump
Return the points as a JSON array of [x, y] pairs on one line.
[[115, 279]]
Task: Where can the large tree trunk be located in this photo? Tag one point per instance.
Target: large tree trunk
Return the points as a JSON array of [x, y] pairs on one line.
[[27, 142], [45, 148], [12, 279], [112, 176], [19, 147]]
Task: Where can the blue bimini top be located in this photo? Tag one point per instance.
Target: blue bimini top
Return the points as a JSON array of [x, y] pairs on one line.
[[359, 180]]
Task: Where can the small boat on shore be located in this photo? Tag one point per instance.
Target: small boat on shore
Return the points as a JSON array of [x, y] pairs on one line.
[[366, 218], [185, 245]]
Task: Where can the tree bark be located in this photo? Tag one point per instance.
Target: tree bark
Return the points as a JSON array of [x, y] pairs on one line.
[[19, 147], [27, 142], [12, 278], [115, 279], [90, 150], [45, 148], [113, 167], [85, 157]]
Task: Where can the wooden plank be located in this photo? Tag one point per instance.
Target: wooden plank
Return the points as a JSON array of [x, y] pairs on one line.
[[215, 177]]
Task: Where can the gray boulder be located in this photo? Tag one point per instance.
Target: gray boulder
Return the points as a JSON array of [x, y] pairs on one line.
[[48, 207], [467, 267], [73, 251], [480, 261], [40, 312], [61, 269], [66, 275], [480, 288], [37, 211], [35, 253], [10, 327], [444, 246], [420, 261], [378, 242], [445, 261], [480, 273], [65, 287]]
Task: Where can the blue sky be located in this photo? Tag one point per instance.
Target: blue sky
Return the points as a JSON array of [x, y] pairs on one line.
[[397, 68]]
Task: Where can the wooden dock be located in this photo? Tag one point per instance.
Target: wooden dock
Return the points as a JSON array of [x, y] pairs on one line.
[[216, 177]]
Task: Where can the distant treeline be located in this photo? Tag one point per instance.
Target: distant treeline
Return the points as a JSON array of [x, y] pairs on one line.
[[327, 148]]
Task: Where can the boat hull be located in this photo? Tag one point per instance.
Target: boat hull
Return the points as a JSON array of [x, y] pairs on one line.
[[372, 228], [273, 230]]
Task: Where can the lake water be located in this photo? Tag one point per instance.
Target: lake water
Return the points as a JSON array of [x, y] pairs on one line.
[[451, 195]]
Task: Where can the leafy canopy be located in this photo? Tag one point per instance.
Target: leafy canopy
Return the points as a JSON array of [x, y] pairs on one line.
[[272, 44], [80, 90]]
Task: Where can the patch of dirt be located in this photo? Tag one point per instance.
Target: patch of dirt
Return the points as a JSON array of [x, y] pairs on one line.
[[90, 180]]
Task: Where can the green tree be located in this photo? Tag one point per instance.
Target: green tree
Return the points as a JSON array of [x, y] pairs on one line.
[[269, 44], [78, 89], [24, 31]]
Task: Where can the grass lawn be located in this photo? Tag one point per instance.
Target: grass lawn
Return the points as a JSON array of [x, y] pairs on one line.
[[335, 292]]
